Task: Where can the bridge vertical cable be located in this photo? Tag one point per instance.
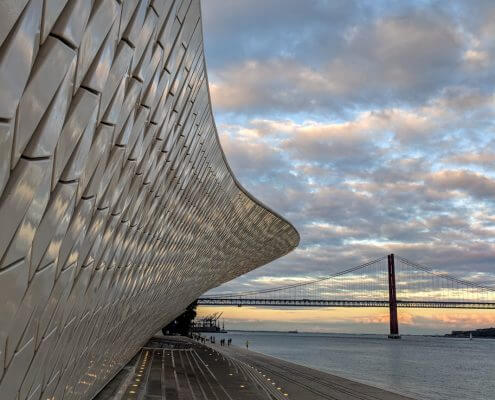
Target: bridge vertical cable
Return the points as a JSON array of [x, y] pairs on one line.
[[366, 285]]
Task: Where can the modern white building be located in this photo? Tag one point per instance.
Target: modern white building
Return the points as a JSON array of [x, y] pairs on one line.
[[117, 206]]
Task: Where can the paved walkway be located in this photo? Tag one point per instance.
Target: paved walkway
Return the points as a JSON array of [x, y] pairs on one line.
[[180, 369], [303, 383]]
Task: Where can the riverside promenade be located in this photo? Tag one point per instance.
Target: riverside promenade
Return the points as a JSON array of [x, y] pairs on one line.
[[303, 383], [176, 368]]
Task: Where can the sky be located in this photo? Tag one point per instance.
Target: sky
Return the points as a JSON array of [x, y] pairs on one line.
[[370, 126]]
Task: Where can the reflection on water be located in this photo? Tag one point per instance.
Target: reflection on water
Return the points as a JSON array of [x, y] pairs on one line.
[[431, 368]]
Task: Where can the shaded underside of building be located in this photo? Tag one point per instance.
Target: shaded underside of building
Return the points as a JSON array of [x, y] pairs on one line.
[[117, 206]]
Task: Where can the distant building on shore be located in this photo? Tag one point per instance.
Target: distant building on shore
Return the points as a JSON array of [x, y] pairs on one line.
[[478, 333], [210, 323]]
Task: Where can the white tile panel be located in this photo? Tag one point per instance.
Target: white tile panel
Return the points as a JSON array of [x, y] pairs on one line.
[[117, 206]]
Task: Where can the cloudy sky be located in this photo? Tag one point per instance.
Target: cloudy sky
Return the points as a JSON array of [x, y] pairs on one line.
[[370, 126]]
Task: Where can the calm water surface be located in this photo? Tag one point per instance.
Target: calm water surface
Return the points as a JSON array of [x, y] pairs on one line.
[[431, 368]]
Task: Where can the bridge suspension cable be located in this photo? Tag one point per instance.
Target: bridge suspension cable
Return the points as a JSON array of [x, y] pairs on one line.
[[300, 284], [367, 285]]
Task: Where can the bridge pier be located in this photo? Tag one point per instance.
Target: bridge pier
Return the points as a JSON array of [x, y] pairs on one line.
[[392, 299]]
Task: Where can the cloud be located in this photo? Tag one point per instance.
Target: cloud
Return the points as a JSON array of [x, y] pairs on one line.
[[366, 320], [484, 158], [309, 58], [369, 125], [355, 191], [474, 184], [446, 320], [257, 29], [383, 58], [274, 84]]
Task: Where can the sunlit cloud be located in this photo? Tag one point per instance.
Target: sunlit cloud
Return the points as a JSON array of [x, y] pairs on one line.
[[371, 127], [370, 320]]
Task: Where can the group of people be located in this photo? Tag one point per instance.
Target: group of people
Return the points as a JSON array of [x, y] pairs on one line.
[[212, 340], [199, 338]]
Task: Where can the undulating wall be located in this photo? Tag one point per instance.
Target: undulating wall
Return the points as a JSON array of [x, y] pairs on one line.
[[117, 207]]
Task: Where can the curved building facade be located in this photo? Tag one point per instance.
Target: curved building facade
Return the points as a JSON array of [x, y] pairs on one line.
[[117, 206]]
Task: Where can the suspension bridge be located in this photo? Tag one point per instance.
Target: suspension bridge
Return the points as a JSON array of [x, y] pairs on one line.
[[391, 281]]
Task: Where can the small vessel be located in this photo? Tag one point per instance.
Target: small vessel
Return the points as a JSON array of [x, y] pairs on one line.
[[470, 336], [292, 332]]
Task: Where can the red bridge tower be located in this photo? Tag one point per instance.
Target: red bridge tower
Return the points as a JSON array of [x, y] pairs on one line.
[[392, 299]]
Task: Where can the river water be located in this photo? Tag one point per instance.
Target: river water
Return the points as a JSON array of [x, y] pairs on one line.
[[430, 368]]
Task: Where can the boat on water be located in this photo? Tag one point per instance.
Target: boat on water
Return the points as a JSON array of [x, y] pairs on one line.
[[292, 332]]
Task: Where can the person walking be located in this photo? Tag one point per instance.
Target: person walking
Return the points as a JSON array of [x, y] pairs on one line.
[[247, 344]]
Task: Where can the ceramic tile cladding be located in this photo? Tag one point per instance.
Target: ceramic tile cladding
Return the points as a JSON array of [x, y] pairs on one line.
[[117, 207]]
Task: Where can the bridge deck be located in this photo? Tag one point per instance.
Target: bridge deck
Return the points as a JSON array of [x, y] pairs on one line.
[[232, 301]]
